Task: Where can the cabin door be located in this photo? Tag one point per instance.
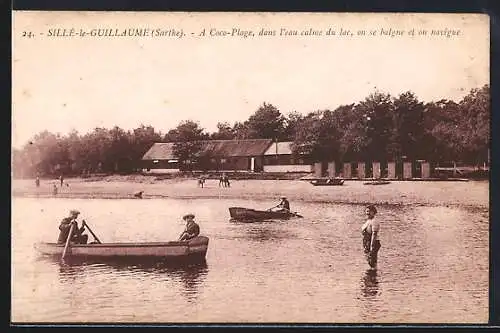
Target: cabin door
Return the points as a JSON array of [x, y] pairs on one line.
[[252, 164]]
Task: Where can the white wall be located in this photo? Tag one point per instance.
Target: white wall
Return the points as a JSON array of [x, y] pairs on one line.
[[288, 168]]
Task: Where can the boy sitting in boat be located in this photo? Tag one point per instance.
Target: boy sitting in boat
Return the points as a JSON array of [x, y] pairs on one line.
[[77, 235], [192, 228]]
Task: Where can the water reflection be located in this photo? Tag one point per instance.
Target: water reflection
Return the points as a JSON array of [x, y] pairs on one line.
[[370, 284], [263, 231], [190, 275], [69, 273]]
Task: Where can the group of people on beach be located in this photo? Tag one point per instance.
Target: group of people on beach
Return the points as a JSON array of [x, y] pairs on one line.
[[223, 181], [55, 190], [370, 230]]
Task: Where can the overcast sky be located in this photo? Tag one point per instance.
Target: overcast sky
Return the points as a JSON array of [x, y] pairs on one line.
[[62, 83]]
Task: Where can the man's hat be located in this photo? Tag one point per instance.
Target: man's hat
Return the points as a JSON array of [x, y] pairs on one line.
[[187, 216], [74, 212], [283, 197]]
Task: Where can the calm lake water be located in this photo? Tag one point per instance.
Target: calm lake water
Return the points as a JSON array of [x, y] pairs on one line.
[[433, 265]]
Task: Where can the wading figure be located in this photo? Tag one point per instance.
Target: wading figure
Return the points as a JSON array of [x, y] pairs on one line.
[[370, 231], [37, 181], [201, 181]]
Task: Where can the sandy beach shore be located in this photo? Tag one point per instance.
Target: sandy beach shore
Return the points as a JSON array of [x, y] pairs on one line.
[[471, 193]]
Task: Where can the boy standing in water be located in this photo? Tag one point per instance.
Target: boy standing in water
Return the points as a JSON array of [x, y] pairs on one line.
[[370, 231]]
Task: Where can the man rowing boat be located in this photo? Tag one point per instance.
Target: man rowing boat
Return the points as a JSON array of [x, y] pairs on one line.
[[283, 206], [77, 234]]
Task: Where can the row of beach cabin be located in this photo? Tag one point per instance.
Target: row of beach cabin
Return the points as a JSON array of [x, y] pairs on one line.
[[266, 155]]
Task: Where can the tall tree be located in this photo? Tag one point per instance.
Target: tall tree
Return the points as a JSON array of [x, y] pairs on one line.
[[377, 110], [441, 140], [241, 130], [119, 155], [290, 125], [475, 127], [318, 135], [224, 132], [187, 136], [408, 127], [142, 138], [266, 123]]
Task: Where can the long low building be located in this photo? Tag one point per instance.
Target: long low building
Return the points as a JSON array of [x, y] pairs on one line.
[[280, 158], [252, 155], [160, 159]]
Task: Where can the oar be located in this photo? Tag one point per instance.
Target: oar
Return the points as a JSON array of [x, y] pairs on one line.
[[270, 209], [297, 214], [93, 235], [66, 247]]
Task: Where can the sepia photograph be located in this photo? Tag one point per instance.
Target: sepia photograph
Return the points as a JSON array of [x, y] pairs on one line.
[[250, 167]]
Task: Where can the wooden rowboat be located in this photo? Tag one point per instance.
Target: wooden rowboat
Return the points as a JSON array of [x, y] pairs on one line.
[[327, 182], [193, 249], [251, 215], [377, 182]]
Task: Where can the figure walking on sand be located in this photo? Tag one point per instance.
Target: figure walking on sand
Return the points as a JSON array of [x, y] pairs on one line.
[[370, 231], [224, 180], [201, 181]]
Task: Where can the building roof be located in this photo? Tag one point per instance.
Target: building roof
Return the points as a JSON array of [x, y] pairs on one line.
[[221, 148], [160, 151], [236, 148], [279, 148]]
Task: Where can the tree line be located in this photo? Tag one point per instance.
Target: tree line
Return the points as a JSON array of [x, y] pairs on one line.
[[380, 127]]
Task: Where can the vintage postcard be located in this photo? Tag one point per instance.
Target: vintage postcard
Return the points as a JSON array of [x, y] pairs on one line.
[[188, 167]]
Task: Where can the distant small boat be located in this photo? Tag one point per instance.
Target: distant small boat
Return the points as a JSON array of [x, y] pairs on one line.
[[377, 182], [252, 215], [175, 251], [327, 182]]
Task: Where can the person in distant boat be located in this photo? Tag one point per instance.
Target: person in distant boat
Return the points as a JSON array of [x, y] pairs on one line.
[[192, 228], [77, 235], [370, 231], [283, 206]]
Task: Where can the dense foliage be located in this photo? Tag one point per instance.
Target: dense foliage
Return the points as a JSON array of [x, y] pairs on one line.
[[380, 127]]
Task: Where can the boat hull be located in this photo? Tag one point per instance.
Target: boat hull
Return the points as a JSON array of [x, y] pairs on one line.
[[327, 182], [195, 248], [246, 214], [377, 182]]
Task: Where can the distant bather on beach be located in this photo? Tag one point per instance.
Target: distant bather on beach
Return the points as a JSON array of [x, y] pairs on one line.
[[224, 181], [201, 181]]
